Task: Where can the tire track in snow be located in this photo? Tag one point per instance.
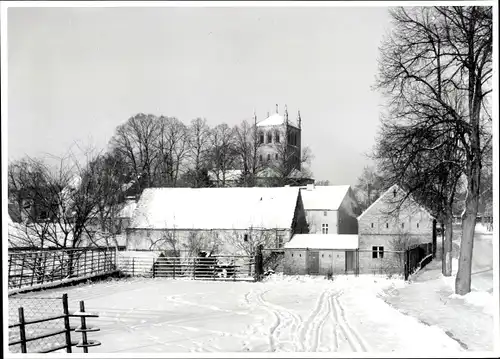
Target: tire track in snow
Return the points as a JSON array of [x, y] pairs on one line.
[[285, 319], [315, 339], [306, 327], [353, 339]]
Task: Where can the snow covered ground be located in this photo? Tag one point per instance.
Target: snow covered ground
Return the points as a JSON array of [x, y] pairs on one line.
[[430, 298], [281, 314]]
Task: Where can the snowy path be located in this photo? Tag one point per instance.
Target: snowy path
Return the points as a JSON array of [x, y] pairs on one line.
[[287, 314]]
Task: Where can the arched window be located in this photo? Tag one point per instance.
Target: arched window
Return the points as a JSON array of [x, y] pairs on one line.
[[277, 137], [261, 137], [269, 137]]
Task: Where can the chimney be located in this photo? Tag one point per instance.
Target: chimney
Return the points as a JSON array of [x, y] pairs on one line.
[[299, 120], [286, 114], [254, 117]]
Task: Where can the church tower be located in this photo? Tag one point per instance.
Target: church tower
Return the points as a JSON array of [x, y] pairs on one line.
[[279, 139]]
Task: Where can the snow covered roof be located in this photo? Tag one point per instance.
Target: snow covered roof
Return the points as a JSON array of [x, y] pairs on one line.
[[216, 208], [275, 120], [323, 197], [323, 241], [392, 188]]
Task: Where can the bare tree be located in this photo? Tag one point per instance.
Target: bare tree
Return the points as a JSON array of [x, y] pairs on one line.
[[247, 148], [369, 187], [172, 148], [223, 154], [199, 153], [136, 142], [435, 68]]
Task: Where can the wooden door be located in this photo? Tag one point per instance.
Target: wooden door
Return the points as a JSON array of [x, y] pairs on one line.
[[313, 262], [349, 261]]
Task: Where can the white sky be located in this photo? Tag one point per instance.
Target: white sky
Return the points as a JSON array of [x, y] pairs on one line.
[[77, 73]]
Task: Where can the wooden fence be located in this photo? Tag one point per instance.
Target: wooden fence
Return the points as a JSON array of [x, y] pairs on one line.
[[209, 268], [31, 333], [37, 268]]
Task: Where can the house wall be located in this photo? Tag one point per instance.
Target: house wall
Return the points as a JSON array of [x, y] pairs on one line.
[[316, 218], [347, 215], [380, 226], [295, 261], [226, 241]]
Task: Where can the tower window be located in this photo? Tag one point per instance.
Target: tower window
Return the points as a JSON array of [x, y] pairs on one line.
[[372, 225], [417, 225], [387, 225], [276, 156], [260, 158], [277, 137], [269, 137], [268, 156], [402, 225], [261, 138]]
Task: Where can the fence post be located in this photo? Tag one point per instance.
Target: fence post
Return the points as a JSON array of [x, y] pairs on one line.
[[133, 265], [44, 266], [83, 328], [92, 263], [53, 266], [154, 267], [22, 330], [22, 270], [194, 268], [66, 322], [259, 263], [10, 264]]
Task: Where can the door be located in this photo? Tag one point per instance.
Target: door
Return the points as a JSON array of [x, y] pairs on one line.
[[313, 262], [349, 261]]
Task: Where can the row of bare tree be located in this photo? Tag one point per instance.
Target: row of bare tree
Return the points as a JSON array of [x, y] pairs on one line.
[[435, 137], [66, 203]]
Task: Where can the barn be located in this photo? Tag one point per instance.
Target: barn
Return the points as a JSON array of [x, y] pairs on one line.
[[330, 209], [218, 220]]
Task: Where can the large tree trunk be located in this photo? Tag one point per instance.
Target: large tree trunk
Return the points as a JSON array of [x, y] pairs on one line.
[[463, 280]]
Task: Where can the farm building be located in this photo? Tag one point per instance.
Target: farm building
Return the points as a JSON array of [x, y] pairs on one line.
[[219, 220], [330, 209], [321, 253], [391, 224]]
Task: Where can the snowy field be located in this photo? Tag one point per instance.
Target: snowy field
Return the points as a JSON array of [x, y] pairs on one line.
[[281, 314]]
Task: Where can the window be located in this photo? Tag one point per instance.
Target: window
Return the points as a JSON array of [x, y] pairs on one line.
[[325, 213], [394, 193], [277, 137], [269, 157], [387, 225], [292, 254], [402, 225], [372, 225], [324, 228], [276, 156], [280, 241], [245, 237], [417, 224], [377, 252], [261, 137], [269, 137], [260, 158]]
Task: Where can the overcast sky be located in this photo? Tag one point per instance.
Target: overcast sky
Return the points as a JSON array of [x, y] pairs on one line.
[[77, 73]]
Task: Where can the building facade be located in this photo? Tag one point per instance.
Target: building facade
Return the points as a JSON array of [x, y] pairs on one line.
[[392, 223], [330, 209]]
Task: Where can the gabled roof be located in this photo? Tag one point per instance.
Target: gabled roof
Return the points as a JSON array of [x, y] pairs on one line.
[[276, 120], [323, 241], [392, 188], [216, 208], [323, 197], [128, 209]]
